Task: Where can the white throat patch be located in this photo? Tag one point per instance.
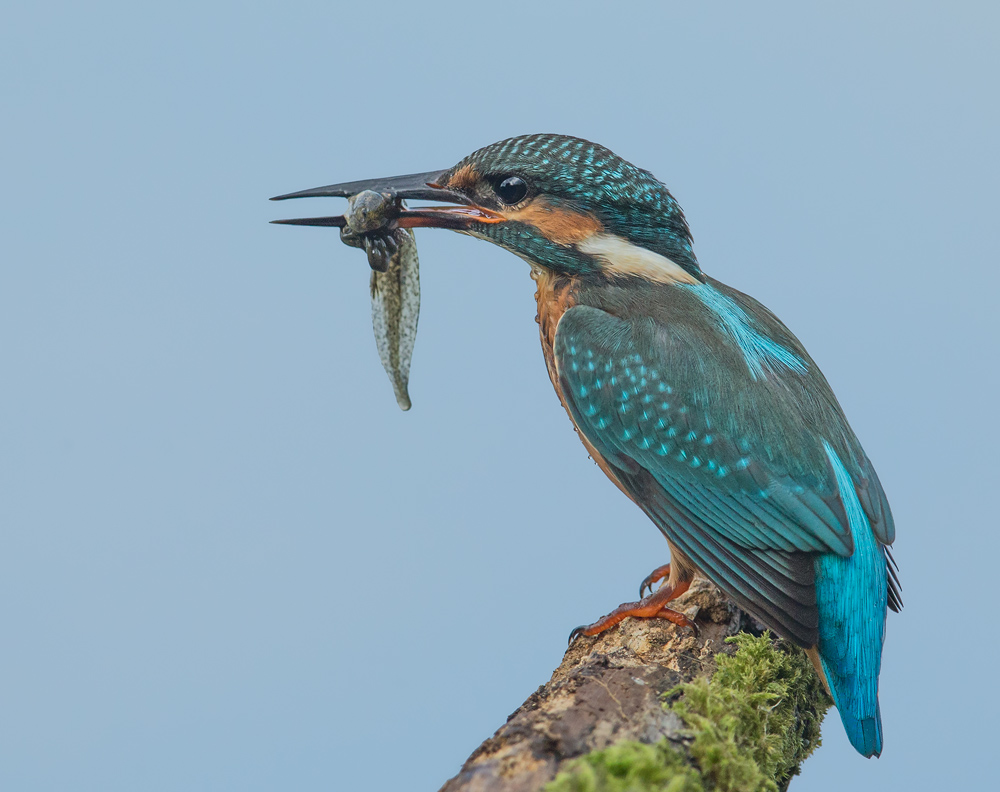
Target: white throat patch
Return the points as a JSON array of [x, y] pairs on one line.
[[621, 257]]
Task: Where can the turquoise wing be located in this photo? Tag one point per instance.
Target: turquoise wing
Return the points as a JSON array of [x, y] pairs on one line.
[[732, 468]]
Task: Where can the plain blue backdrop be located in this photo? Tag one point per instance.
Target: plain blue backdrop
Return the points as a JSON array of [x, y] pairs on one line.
[[229, 562]]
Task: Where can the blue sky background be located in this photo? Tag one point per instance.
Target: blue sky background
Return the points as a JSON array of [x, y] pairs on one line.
[[229, 562]]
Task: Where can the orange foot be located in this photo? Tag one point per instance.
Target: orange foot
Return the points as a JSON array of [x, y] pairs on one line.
[[652, 607]]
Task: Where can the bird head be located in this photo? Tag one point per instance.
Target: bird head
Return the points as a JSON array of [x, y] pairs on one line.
[[560, 202]]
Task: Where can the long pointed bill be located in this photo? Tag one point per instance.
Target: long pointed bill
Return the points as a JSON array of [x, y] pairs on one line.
[[338, 221], [416, 186]]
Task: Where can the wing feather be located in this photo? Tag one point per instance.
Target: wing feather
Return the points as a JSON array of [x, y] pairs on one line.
[[749, 507]]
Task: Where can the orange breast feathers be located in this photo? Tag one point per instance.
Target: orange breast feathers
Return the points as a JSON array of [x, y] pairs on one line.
[[556, 294]]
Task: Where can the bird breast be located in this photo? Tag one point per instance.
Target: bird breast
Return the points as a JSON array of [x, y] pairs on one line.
[[555, 295]]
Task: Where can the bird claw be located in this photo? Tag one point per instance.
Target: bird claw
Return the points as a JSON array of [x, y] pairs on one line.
[[576, 633], [680, 620], [658, 574]]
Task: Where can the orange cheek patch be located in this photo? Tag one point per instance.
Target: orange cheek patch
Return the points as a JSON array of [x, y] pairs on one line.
[[562, 226]]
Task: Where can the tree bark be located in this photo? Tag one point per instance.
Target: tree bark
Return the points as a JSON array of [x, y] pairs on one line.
[[609, 689]]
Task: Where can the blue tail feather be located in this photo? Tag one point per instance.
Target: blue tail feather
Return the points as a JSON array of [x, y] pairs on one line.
[[851, 599], [865, 734]]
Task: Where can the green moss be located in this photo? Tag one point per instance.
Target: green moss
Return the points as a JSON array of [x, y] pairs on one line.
[[751, 725], [758, 716], [629, 767]]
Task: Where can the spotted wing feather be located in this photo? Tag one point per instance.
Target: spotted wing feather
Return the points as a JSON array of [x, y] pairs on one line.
[[749, 510]]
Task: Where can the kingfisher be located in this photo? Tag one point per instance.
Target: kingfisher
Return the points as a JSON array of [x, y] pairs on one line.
[[693, 398]]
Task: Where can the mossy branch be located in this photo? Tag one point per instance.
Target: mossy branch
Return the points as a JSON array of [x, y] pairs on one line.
[[648, 707]]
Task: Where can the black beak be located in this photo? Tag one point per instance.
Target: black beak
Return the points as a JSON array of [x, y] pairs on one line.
[[416, 186]]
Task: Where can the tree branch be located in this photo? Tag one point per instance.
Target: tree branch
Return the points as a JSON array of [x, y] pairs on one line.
[[748, 728]]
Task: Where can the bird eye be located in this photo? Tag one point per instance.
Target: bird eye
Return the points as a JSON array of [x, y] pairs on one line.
[[512, 190]]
